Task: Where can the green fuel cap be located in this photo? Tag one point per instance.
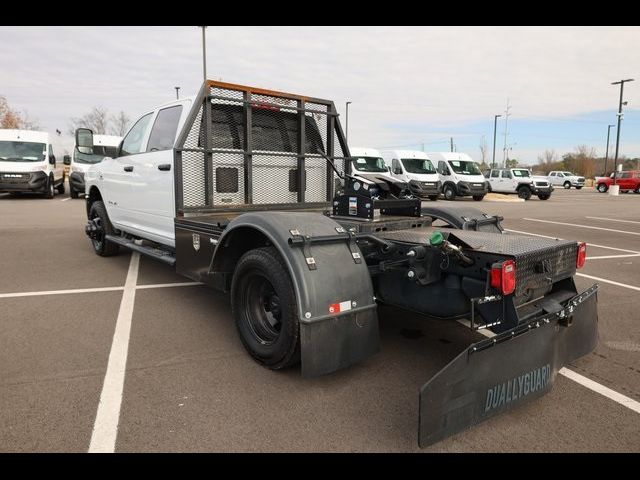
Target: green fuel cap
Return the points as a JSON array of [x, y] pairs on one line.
[[436, 239]]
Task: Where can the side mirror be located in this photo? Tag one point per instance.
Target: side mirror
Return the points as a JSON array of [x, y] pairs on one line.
[[66, 160], [52, 159], [84, 140]]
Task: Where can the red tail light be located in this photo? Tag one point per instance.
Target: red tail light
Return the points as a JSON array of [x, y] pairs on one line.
[[582, 255], [503, 277]]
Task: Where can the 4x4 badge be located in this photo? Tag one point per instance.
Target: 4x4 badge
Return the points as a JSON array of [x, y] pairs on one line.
[[196, 241]]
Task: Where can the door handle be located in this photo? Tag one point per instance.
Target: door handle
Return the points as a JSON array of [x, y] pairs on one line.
[[128, 168], [165, 167]]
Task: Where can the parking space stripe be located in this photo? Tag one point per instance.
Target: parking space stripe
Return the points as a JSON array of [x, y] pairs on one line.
[[630, 403], [623, 400], [604, 280], [168, 285], [105, 428], [60, 292], [65, 199], [588, 243], [581, 226], [613, 220], [603, 257]]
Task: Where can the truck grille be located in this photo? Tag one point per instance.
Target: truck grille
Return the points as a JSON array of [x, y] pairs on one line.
[[580, 179], [16, 177], [542, 184]]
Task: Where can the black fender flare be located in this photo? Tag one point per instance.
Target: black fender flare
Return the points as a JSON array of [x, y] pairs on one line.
[[329, 340], [464, 218]]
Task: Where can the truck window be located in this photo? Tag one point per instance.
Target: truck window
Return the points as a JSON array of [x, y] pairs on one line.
[[442, 168], [495, 173], [395, 166], [521, 173], [418, 165], [163, 133], [464, 167], [625, 175], [11, 151], [506, 174], [132, 143]]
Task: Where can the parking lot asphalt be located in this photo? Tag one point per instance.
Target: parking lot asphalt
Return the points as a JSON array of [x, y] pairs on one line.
[[190, 386]]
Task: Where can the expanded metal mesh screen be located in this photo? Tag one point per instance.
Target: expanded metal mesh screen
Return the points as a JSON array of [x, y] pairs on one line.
[[245, 147]]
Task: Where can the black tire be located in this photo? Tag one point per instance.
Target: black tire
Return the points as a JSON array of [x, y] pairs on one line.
[[60, 187], [578, 188], [477, 198], [50, 191], [449, 192], [524, 193], [98, 213], [602, 187], [544, 196], [73, 193], [637, 190], [433, 198], [264, 307], [567, 185]]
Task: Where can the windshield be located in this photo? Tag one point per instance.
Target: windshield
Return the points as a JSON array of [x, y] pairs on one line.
[[369, 164], [22, 151], [418, 165], [463, 167], [99, 152], [521, 173], [568, 174]]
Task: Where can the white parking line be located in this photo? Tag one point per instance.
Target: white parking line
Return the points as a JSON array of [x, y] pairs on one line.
[[623, 400], [558, 238], [168, 285], [613, 220], [60, 292], [105, 428], [604, 280], [582, 226], [603, 257], [65, 199]]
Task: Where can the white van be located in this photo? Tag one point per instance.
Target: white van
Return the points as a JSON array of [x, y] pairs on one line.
[[28, 163], [460, 175], [84, 157], [415, 168], [368, 162]]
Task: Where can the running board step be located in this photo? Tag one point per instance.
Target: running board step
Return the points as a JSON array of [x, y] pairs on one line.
[[153, 252]]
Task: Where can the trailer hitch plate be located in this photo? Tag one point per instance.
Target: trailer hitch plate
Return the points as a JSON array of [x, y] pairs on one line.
[[502, 372]]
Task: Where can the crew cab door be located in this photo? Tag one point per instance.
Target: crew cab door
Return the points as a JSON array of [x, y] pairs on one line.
[[115, 175], [625, 181], [153, 208], [494, 180]]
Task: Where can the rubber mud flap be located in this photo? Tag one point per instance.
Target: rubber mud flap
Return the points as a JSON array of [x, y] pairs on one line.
[[504, 371]]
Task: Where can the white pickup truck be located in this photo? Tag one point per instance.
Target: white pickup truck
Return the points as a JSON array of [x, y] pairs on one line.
[[518, 181], [235, 189], [566, 179]]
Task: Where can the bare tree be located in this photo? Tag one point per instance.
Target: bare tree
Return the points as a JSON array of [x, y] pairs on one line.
[[11, 118], [120, 124], [97, 120], [548, 157], [483, 150]]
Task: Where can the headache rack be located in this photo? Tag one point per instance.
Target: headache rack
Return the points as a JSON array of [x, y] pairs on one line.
[[244, 148]]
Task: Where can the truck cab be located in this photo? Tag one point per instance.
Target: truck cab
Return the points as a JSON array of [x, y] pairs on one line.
[[460, 175], [416, 169], [29, 163], [566, 179], [142, 163], [83, 157], [628, 181], [518, 181]]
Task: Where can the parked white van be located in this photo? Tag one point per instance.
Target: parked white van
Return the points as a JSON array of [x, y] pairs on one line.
[[416, 169], [368, 162], [28, 162], [460, 175], [84, 157]]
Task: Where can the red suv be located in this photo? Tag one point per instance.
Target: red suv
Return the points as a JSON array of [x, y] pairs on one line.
[[628, 181]]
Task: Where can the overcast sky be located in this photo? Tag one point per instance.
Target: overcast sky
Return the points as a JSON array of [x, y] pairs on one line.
[[408, 85]]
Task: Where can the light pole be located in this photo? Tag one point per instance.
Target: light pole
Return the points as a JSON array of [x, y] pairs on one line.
[[615, 161], [495, 125], [347, 124], [177, 90], [606, 156], [204, 52]]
